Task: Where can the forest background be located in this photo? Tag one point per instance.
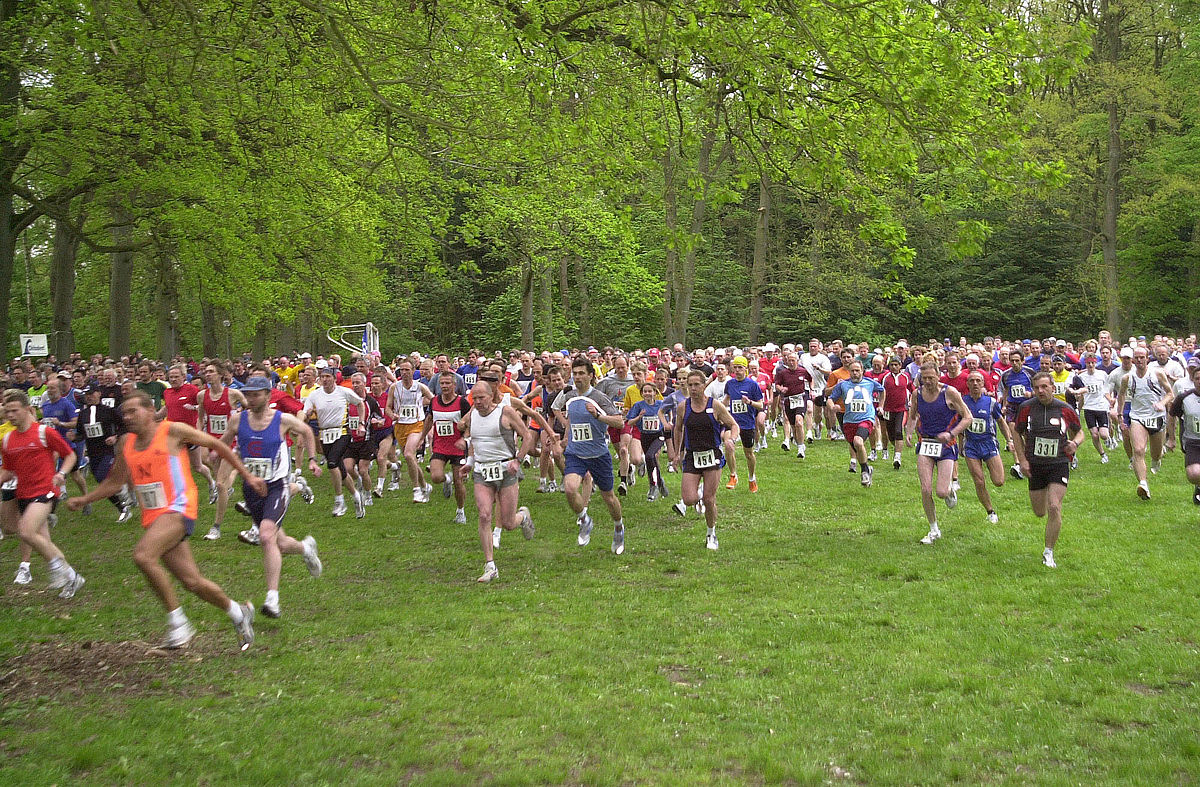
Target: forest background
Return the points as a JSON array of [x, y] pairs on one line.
[[185, 176]]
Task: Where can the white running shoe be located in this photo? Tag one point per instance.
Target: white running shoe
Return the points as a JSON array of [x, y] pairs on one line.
[[213, 533], [1048, 558], [368, 499], [800, 450], [71, 588], [679, 508], [271, 610], [866, 477], [59, 576], [710, 542], [496, 537], [212, 494], [24, 576], [1103, 459], [428, 490], [933, 535], [955, 486], [1016, 472], [885, 454], [418, 495], [447, 489], [872, 455], [784, 445], [993, 518], [527, 528], [489, 573], [618, 544], [700, 508], [393, 486], [245, 629], [339, 508], [360, 510], [249, 536], [178, 636], [1143, 490], [585, 530], [1154, 467], [306, 493], [460, 517], [809, 437], [310, 556], [853, 465], [952, 498]]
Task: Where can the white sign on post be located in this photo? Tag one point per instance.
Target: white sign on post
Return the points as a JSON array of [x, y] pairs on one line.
[[34, 345]]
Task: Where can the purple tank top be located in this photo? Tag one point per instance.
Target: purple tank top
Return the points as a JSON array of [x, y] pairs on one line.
[[936, 415]]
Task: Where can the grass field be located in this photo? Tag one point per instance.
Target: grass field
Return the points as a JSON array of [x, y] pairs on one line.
[[822, 643]]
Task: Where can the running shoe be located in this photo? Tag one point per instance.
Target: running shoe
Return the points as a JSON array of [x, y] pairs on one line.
[[1155, 466], [447, 489], [622, 489], [872, 455], [1143, 490], [489, 573], [799, 450], [784, 445], [212, 494], [652, 495], [710, 542], [866, 477], [527, 528], [460, 517], [241, 507], [955, 486], [213, 533], [1196, 496], [853, 465], [1048, 558], [360, 510], [992, 518], [339, 508], [270, 610], [896, 462], [618, 544], [496, 537], [249, 537], [753, 486], [641, 469], [1103, 459], [24, 576], [1016, 472], [178, 636], [311, 559], [541, 490], [585, 529], [245, 629], [71, 588], [306, 493], [679, 508], [125, 515], [952, 498], [933, 535], [418, 496], [733, 482]]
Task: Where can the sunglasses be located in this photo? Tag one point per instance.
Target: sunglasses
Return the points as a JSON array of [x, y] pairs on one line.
[[489, 379]]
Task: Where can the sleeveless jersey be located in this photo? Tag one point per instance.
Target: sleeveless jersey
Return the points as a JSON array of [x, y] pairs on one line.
[[263, 452], [936, 416], [408, 403], [1144, 394], [701, 430], [446, 418], [161, 480], [490, 441], [984, 412], [1018, 386], [217, 412]]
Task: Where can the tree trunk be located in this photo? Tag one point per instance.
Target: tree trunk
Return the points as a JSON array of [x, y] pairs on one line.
[[547, 305], [687, 267], [209, 340], [168, 308], [10, 155], [29, 285], [120, 285], [671, 221], [1111, 30], [260, 345], [758, 269], [564, 295], [585, 305], [62, 289], [526, 303], [1193, 277]]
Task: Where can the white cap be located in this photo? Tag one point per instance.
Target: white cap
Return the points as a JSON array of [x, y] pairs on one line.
[[789, 347], [306, 356], [321, 364], [1126, 352], [770, 347]]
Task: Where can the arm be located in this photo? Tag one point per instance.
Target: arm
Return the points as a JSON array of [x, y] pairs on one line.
[[528, 412], [517, 424], [955, 400], [304, 436], [678, 436], [910, 425], [118, 476], [722, 415], [182, 433]]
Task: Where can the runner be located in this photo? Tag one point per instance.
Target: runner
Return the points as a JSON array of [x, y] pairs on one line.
[[646, 416], [1016, 386], [62, 413], [589, 414], [1049, 427], [382, 435], [551, 449], [744, 400], [981, 448], [792, 385], [445, 419], [261, 435], [933, 411], [331, 404], [1090, 386], [28, 452], [406, 406], [1187, 408], [897, 387], [101, 427], [215, 404], [152, 457], [698, 437], [856, 396], [614, 385], [1149, 393], [363, 421], [495, 461]]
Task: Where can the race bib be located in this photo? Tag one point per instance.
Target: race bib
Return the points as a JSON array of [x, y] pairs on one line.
[[1045, 447], [1018, 392], [150, 496], [856, 406], [1152, 423], [978, 426], [490, 471], [217, 424], [258, 466], [884, 415], [1060, 389], [470, 379], [353, 423], [581, 432], [737, 406], [94, 430], [108, 401], [930, 448], [410, 413], [443, 428], [1193, 424], [796, 402], [702, 460], [1093, 389], [331, 435], [651, 423]]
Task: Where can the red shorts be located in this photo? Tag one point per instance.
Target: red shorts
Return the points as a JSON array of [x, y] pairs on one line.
[[862, 430]]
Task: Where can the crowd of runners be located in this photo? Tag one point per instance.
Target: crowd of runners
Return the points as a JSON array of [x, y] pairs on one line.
[[585, 421]]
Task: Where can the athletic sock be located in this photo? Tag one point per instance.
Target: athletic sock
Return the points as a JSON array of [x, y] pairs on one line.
[[235, 612], [176, 618], [273, 597]]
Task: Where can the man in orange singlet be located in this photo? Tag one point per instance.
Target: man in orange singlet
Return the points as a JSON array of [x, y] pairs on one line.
[[153, 457]]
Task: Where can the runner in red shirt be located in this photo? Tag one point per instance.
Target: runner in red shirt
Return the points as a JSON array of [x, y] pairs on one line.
[[28, 455], [897, 386], [180, 405], [381, 434], [216, 403]]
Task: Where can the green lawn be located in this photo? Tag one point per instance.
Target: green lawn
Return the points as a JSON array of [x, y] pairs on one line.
[[821, 644]]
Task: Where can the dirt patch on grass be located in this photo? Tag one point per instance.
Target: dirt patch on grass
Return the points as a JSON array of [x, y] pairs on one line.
[[73, 669], [682, 675], [1144, 689]]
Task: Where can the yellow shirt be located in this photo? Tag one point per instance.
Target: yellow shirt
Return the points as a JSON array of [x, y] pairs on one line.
[[1061, 383], [633, 395], [288, 374]]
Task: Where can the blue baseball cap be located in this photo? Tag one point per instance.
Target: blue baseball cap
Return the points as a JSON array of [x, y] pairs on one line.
[[257, 384]]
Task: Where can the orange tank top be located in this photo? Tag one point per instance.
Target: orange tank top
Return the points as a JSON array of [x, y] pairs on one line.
[[161, 480]]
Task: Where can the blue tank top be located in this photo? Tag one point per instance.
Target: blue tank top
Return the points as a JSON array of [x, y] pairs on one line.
[[696, 422], [263, 452], [984, 413], [936, 415]]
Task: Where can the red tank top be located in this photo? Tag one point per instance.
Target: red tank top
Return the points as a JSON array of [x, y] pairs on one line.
[[217, 412], [177, 401], [446, 418]]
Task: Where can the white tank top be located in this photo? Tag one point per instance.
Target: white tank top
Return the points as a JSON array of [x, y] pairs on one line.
[[409, 403], [1144, 394], [490, 441]]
